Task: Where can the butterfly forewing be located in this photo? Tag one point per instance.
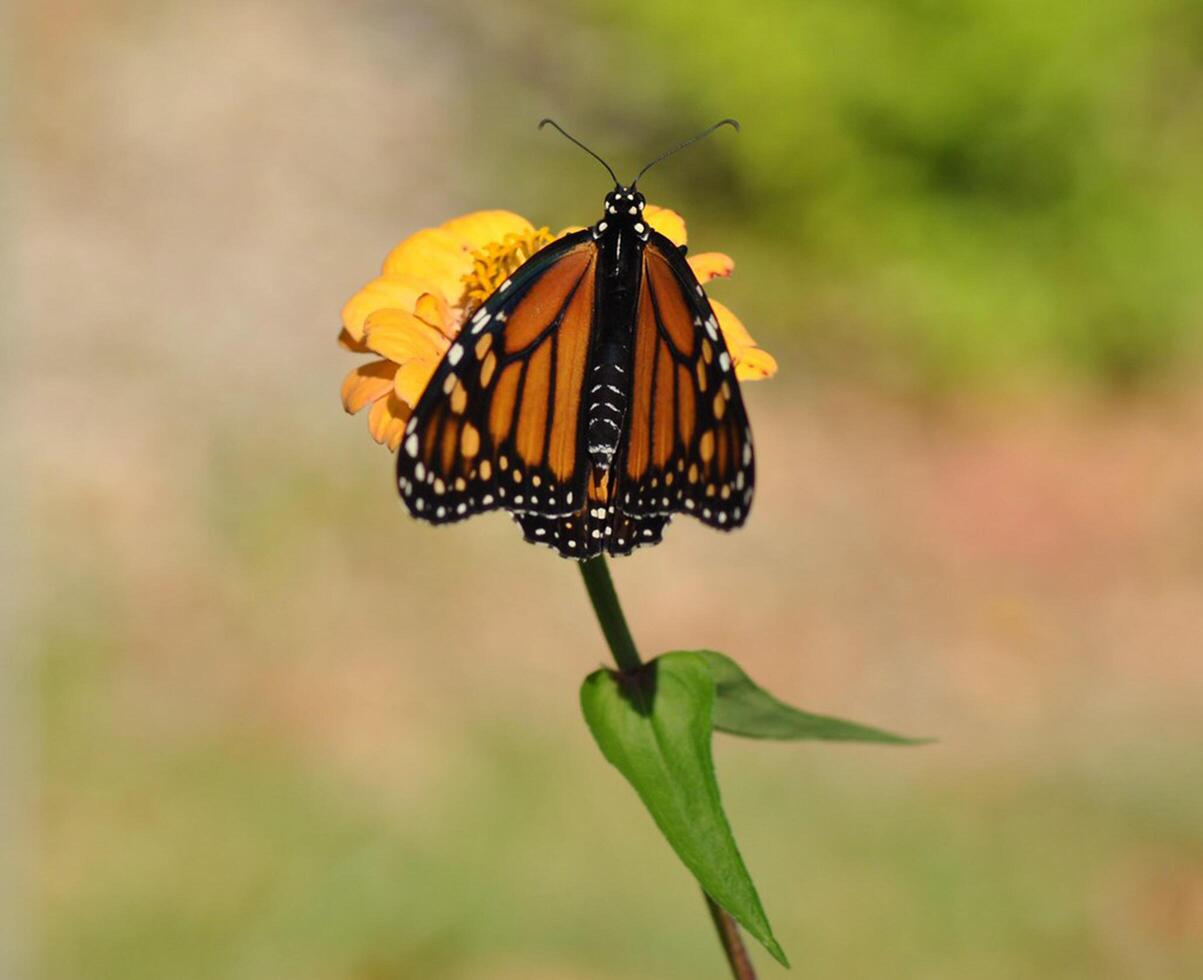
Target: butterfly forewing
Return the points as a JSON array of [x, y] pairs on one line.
[[499, 423], [688, 443]]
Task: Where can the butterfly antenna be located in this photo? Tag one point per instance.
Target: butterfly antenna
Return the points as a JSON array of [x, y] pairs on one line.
[[552, 122], [680, 146]]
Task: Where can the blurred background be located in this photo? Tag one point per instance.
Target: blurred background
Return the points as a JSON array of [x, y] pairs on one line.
[[259, 724]]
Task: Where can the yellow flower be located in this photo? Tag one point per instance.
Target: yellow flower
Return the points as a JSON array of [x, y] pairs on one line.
[[435, 279]]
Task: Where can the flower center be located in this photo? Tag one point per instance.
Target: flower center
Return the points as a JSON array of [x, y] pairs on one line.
[[497, 261]]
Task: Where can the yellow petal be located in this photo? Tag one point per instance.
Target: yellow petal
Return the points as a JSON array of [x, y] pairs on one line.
[[401, 336], [710, 265], [347, 342], [432, 308], [480, 228], [386, 421], [434, 255], [751, 363], [666, 221], [443, 255], [367, 383], [754, 364], [386, 292], [412, 379]]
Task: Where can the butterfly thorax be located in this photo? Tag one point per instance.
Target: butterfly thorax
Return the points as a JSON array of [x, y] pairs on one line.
[[621, 234]]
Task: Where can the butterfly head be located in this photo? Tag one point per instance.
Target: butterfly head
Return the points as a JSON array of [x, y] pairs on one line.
[[623, 209], [625, 202]]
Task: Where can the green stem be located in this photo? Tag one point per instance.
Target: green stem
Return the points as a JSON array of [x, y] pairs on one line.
[[600, 586], [596, 574]]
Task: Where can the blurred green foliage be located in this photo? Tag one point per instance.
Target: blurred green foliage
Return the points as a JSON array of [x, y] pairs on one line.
[[230, 855], [939, 192]]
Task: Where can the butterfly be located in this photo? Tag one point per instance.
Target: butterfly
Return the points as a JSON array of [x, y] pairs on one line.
[[591, 395]]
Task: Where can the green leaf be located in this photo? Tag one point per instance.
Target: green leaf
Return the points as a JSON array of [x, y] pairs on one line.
[[654, 726], [743, 708]]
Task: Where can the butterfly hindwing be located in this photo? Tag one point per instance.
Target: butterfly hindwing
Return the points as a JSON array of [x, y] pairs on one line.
[[498, 425], [573, 535], [688, 445]]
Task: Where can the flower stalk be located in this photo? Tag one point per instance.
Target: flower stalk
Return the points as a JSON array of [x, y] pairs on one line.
[[600, 586], [607, 608]]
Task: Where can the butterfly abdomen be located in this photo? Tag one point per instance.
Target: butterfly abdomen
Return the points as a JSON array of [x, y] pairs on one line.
[[607, 404]]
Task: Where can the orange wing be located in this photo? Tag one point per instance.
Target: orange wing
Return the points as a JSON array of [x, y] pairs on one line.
[[688, 442], [499, 425]]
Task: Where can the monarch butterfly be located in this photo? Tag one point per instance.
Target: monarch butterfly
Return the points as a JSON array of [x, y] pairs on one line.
[[591, 395]]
